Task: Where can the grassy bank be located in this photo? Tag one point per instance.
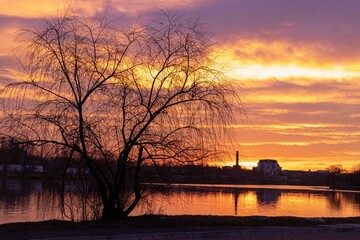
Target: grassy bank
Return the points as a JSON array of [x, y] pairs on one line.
[[160, 221]]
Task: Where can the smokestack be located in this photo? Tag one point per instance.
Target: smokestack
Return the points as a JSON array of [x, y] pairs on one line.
[[237, 158]]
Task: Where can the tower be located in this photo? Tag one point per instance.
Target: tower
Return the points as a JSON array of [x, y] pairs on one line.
[[237, 159], [237, 166]]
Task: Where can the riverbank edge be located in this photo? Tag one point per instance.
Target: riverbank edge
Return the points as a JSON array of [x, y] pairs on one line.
[[172, 222]]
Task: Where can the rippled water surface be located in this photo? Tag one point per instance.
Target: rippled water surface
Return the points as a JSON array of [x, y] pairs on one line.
[[30, 201]]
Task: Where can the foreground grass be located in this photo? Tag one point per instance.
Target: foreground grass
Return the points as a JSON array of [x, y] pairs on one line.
[[169, 222]]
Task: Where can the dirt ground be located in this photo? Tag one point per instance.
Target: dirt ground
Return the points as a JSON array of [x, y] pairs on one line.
[[188, 227]]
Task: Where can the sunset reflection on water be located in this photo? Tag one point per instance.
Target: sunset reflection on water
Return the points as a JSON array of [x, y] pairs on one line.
[[30, 201], [258, 202]]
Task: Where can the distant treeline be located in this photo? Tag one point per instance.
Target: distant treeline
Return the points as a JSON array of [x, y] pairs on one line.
[[20, 161]]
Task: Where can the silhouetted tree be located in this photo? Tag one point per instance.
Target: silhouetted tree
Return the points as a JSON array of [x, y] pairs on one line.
[[335, 172], [116, 98], [11, 153], [356, 169], [352, 179]]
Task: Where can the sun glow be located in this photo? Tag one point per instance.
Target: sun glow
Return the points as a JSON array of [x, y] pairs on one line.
[[258, 71], [248, 165], [253, 58]]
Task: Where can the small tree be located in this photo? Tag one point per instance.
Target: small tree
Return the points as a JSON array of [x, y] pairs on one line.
[[11, 153], [335, 173], [356, 169], [115, 98]]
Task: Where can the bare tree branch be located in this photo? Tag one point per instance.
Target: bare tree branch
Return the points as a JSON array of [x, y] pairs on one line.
[[114, 98]]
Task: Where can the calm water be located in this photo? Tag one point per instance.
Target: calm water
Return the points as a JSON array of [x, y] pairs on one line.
[[30, 201]]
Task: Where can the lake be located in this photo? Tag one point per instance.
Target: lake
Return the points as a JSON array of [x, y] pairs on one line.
[[30, 201]]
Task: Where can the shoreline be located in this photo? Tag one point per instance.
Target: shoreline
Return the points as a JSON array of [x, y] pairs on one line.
[[184, 227], [168, 221]]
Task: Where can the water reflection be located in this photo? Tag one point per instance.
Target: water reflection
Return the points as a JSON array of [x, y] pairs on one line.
[[303, 202], [267, 196], [34, 201], [24, 200]]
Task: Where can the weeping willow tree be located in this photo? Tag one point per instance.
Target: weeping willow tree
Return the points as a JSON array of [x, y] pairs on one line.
[[115, 98]]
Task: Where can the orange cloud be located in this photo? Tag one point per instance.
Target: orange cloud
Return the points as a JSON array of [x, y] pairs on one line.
[[46, 8], [139, 6], [252, 58], [7, 38]]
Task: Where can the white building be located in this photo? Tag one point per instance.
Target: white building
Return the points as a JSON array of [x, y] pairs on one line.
[[269, 167]]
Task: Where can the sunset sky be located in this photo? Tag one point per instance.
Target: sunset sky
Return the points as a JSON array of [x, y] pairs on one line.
[[298, 62]]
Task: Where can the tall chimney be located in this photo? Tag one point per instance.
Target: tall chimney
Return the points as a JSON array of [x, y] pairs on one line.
[[237, 158]]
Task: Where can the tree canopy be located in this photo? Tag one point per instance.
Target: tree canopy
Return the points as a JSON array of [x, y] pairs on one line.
[[116, 98]]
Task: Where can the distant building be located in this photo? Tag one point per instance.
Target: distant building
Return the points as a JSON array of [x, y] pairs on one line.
[[21, 168], [269, 167]]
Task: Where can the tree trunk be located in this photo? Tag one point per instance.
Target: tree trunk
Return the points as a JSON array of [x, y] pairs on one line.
[[111, 211]]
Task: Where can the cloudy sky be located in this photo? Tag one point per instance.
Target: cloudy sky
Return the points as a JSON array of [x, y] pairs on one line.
[[297, 60]]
